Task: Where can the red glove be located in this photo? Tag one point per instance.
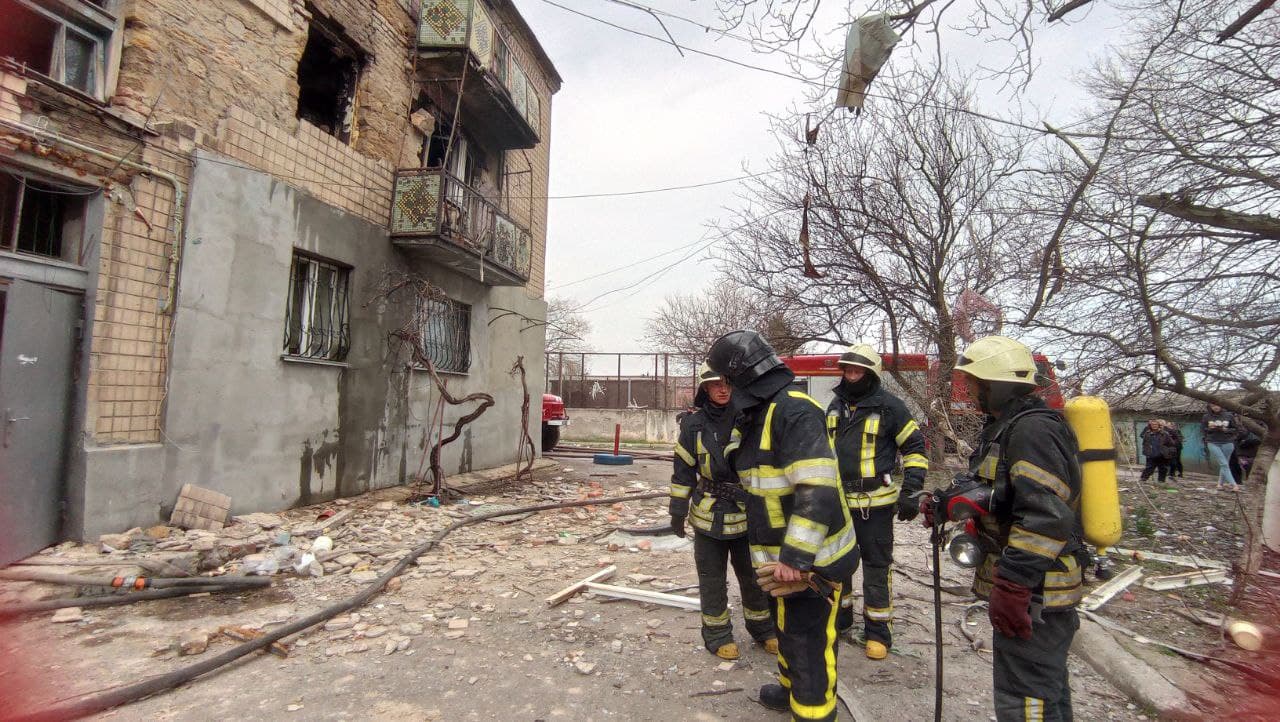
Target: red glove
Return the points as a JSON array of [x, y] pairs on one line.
[[926, 510], [1010, 608]]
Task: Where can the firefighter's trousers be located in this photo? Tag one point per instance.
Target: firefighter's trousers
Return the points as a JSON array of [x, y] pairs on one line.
[[875, 541], [712, 558], [807, 653], [1030, 676]]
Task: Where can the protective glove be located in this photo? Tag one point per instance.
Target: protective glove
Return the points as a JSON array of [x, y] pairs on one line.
[[677, 525], [925, 508], [1010, 608], [908, 508], [810, 580]]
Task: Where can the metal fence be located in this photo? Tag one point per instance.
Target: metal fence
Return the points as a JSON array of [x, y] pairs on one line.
[[620, 380]]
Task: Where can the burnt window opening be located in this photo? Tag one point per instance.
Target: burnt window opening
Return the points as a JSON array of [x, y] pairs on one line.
[[43, 219], [59, 39], [328, 74]]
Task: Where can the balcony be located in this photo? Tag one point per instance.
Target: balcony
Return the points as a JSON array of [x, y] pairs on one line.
[[498, 101], [450, 223]]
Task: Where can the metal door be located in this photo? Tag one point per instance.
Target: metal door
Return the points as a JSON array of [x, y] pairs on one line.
[[37, 351]]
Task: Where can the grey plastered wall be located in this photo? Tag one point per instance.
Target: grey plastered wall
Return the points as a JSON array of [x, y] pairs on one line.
[[273, 433]]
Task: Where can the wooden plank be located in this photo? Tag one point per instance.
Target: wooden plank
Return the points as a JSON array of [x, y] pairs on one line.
[[315, 529], [1182, 561], [576, 587], [645, 595], [845, 695], [1112, 587], [1186, 579]]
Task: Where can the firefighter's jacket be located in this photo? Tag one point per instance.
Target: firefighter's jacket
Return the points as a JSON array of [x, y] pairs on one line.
[[795, 512], [869, 433], [1033, 532], [703, 486]]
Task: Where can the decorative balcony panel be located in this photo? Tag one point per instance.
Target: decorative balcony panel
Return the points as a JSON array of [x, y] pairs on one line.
[[503, 97], [451, 223]]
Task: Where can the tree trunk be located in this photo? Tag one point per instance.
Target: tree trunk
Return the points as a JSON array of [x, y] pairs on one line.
[[1257, 511]]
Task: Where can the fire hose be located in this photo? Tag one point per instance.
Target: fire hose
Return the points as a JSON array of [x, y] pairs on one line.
[[93, 703]]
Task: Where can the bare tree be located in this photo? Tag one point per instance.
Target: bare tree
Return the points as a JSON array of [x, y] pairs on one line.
[[904, 215], [567, 328], [1162, 269], [688, 324]]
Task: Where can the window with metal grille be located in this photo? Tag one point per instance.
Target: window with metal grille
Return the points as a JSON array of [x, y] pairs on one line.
[[42, 218], [446, 335], [64, 40], [317, 315]]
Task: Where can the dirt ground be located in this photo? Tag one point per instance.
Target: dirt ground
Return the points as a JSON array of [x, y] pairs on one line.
[[467, 635]]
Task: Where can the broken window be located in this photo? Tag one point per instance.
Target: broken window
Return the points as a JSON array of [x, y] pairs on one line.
[[42, 218], [64, 40], [317, 319], [446, 335], [328, 74]]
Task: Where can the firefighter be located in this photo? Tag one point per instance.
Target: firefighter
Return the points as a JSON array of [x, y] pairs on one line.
[[870, 428], [707, 492], [802, 539], [1032, 534]]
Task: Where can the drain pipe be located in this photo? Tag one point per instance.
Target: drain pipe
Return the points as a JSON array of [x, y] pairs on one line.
[[179, 198]]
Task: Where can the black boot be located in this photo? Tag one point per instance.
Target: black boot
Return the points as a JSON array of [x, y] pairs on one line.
[[775, 697]]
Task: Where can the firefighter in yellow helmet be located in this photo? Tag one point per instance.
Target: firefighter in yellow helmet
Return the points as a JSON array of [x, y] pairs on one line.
[[802, 540], [870, 429], [706, 492], [1031, 533]]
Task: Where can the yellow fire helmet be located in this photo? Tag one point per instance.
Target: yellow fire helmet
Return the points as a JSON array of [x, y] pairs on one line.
[[862, 355], [998, 358], [705, 374]]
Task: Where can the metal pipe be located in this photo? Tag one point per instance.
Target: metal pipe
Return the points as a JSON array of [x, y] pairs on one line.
[[176, 217]]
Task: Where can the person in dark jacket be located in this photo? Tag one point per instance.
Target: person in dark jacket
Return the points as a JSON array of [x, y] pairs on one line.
[[1032, 572], [798, 525], [1155, 447], [869, 429], [1246, 450], [1175, 450], [706, 491], [1220, 429]]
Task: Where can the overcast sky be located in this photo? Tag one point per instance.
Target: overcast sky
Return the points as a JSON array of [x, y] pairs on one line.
[[633, 114]]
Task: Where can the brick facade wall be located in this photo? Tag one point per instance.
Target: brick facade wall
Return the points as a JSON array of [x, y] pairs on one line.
[[222, 74]]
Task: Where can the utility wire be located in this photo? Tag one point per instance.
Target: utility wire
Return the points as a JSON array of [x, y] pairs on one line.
[[813, 83]]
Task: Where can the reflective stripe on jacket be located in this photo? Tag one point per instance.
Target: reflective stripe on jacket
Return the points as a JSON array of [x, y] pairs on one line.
[[1029, 456], [796, 512], [716, 517], [868, 436]]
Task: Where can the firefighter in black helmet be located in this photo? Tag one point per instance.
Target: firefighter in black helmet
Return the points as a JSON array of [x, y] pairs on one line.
[[1031, 574], [870, 428], [798, 525], [706, 492]]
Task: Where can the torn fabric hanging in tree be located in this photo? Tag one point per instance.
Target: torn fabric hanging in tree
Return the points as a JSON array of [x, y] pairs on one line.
[[866, 48]]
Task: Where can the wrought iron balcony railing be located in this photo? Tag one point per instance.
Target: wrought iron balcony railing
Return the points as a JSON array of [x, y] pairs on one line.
[[435, 211]]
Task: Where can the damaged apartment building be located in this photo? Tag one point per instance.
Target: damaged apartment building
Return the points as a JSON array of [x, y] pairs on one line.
[[202, 206]]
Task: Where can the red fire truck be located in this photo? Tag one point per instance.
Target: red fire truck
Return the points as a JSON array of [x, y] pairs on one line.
[[553, 417]]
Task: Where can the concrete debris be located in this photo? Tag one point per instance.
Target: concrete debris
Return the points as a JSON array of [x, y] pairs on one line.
[[199, 508], [193, 641], [340, 623], [68, 614], [260, 519], [459, 623]]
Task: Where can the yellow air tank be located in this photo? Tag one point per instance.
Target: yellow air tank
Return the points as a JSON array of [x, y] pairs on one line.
[[1090, 418]]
